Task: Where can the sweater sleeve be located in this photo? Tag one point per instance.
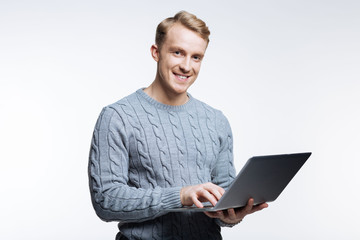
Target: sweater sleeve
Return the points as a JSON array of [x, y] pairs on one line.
[[112, 197]]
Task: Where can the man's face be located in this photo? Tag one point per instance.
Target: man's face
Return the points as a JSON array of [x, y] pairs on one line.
[[179, 59]]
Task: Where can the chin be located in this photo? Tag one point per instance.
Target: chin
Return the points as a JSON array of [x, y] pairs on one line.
[[180, 90]]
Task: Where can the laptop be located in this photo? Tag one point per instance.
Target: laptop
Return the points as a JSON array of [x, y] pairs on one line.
[[262, 178]]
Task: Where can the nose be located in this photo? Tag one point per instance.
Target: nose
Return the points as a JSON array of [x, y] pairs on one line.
[[185, 65]]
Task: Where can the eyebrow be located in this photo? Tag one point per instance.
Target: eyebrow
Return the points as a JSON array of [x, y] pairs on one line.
[[176, 48]]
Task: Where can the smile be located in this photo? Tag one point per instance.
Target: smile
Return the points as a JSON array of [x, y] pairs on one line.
[[181, 77]]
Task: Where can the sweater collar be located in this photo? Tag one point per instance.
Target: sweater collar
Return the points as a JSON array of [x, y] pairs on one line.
[[166, 107]]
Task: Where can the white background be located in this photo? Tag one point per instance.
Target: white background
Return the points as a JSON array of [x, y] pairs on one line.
[[285, 73]]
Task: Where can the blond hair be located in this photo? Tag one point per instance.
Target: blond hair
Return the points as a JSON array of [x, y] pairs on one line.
[[188, 20]]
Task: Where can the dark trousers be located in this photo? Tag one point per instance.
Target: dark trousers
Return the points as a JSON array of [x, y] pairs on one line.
[[119, 236]]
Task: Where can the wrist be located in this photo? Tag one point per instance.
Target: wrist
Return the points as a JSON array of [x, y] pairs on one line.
[[228, 224], [181, 196], [231, 223]]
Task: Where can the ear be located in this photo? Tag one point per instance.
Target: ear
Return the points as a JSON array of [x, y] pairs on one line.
[[155, 52]]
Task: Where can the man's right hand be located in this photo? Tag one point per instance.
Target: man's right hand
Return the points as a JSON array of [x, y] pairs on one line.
[[207, 192]]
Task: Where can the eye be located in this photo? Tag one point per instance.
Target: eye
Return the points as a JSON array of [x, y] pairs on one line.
[[197, 58], [177, 53]]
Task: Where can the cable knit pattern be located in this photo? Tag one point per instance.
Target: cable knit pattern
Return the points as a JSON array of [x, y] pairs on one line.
[[156, 126], [193, 119], [140, 143], [143, 152], [210, 116], [180, 143]]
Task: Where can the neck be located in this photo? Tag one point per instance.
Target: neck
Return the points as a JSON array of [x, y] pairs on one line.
[[165, 97]]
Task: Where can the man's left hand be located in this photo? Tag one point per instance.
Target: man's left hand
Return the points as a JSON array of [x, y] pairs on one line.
[[233, 216]]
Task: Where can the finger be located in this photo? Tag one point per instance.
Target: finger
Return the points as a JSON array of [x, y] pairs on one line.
[[210, 185], [208, 196], [197, 202], [262, 205], [259, 207], [218, 214], [249, 205], [220, 189], [215, 190], [231, 213], [217, 194]]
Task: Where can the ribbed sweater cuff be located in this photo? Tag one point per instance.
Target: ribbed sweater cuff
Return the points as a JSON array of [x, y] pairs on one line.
[[171, 198], [223, 224]]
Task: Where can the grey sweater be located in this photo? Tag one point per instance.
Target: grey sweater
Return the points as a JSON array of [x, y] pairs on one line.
[[143, 152]]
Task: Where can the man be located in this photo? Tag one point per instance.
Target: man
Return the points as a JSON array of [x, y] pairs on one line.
[[160, 148]]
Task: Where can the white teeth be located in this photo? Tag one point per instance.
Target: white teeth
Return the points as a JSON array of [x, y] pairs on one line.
[[182, 77]]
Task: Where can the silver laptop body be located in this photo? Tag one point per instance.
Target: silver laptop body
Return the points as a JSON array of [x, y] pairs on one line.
[[262, 178]]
